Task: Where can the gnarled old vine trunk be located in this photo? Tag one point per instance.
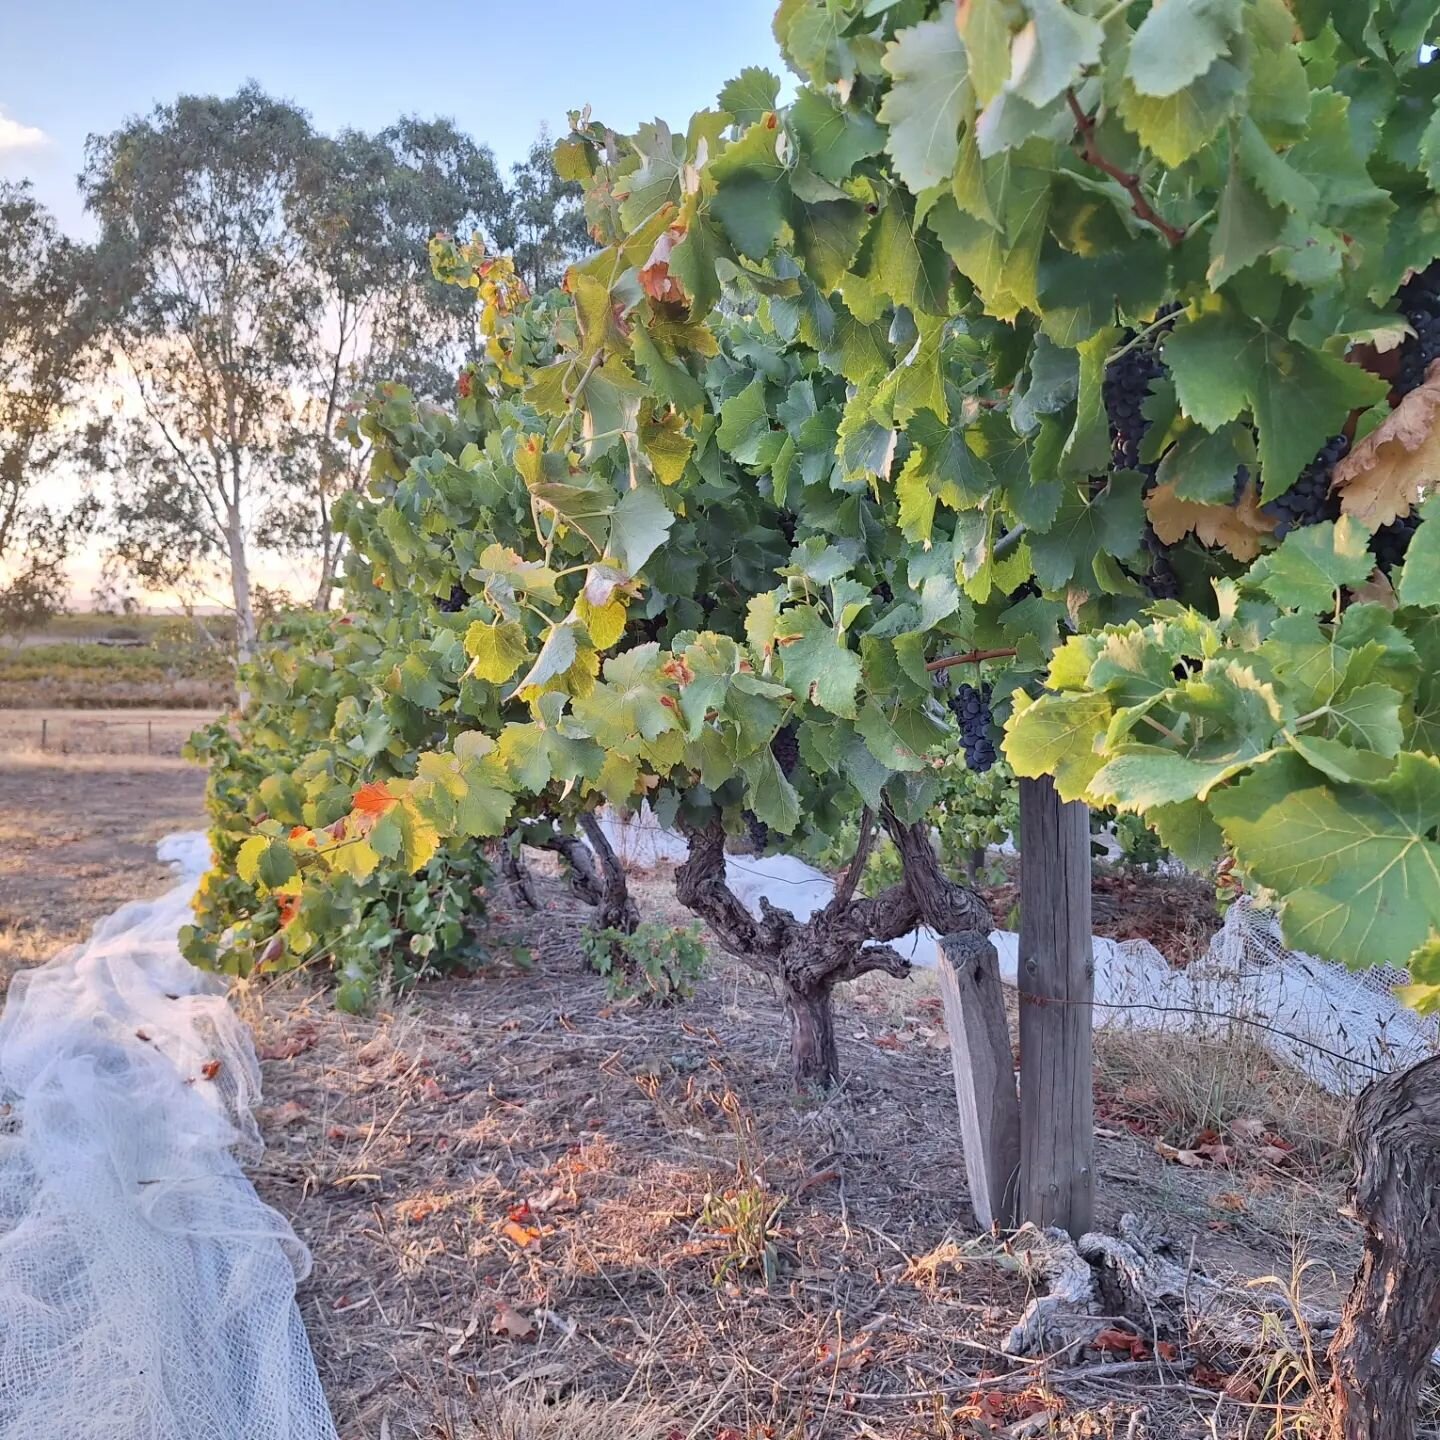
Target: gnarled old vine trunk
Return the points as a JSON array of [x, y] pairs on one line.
[[1391, 1324], [839, 942]]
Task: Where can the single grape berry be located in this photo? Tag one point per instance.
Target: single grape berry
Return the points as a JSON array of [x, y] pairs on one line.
[[1310, 499], [971, 707], [785, 747]]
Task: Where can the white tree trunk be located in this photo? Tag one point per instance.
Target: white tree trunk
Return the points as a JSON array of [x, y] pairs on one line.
[[245, 627]]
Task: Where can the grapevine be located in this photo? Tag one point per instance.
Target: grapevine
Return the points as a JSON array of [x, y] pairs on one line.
[[826, 413]]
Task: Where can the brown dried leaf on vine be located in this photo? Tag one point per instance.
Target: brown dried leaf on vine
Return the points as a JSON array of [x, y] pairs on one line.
[[1237, 529], [1382, 477], [655, 277]]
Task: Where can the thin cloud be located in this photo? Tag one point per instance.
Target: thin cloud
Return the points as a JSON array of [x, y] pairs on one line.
[[15, 136]]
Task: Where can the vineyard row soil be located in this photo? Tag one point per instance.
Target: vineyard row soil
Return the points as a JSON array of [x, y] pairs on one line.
[[521, 1197]]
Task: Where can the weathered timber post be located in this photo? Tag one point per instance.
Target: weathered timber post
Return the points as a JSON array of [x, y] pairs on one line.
[[1057, 989], [984, 1074], [1391, 1322]]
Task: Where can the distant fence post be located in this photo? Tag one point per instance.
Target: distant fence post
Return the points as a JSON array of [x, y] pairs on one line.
[[1057, 993], [44, 731]]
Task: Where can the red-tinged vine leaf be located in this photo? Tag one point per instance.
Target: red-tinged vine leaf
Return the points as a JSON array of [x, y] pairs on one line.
[[1167, 1350], [1382, 478], [1238, 529], [430, 1088], [1229, 1200], [656, 278], [1272, 1154], [511, 1324], [373, 800], [289, 906], [210, 1069]]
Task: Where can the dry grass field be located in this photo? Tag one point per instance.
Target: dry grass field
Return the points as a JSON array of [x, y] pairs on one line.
[[79, 819]]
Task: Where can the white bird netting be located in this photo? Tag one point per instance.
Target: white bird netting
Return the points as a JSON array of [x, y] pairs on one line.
[[146, 1293], [1338, 1027]]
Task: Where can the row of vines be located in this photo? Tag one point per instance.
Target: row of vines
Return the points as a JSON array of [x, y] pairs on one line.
[[1046, 376], [1073, 355]]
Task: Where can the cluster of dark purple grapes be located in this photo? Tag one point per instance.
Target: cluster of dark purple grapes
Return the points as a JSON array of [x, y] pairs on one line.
[[1419, 302], [1125, 391], [785, 747], [459, 598], [1309, 500], [1390, 543], [970, 705], [1126, 388], [1161, 582]]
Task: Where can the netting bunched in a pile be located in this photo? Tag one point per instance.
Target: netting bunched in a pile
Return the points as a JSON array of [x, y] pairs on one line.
[[146, 1293]]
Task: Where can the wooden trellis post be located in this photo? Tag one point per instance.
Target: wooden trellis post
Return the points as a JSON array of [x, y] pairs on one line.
[[1057, 991]]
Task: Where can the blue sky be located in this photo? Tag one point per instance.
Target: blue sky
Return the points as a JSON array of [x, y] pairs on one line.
[[500, 70]]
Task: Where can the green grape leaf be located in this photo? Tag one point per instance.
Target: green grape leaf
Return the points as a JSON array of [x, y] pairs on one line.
[[496, 651], [1340, 761], [265, 862], [817, 665], [1085, 527], [1055, 47], [1176, 126], [751, 95], [1356, 864], [985, 26], [912, 268], [640, 524], [1369, 715], [1177, 42], [769, 794], [1419, 582], [928, 99], [1313, 563], [833, 139], [1248, 226], [1059, 736], [752, 190]]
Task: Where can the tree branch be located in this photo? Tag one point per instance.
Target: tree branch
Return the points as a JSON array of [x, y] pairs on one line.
[[1129, 182]]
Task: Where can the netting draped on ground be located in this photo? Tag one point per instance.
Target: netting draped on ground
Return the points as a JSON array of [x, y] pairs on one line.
[[1338, 1027], [145, 1290]]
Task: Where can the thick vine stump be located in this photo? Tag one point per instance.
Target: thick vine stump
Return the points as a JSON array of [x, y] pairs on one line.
[[984, 1074], [814, 1058], [1057, 993], [842, 941], [1391, 1324]]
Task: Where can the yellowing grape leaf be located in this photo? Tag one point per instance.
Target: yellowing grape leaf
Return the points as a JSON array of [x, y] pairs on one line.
[[1238, 529], [1382, 477]]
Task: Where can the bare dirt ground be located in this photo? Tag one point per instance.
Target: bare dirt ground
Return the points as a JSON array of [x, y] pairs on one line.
[[539, 1215], [79, 821], [520, 1196]]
